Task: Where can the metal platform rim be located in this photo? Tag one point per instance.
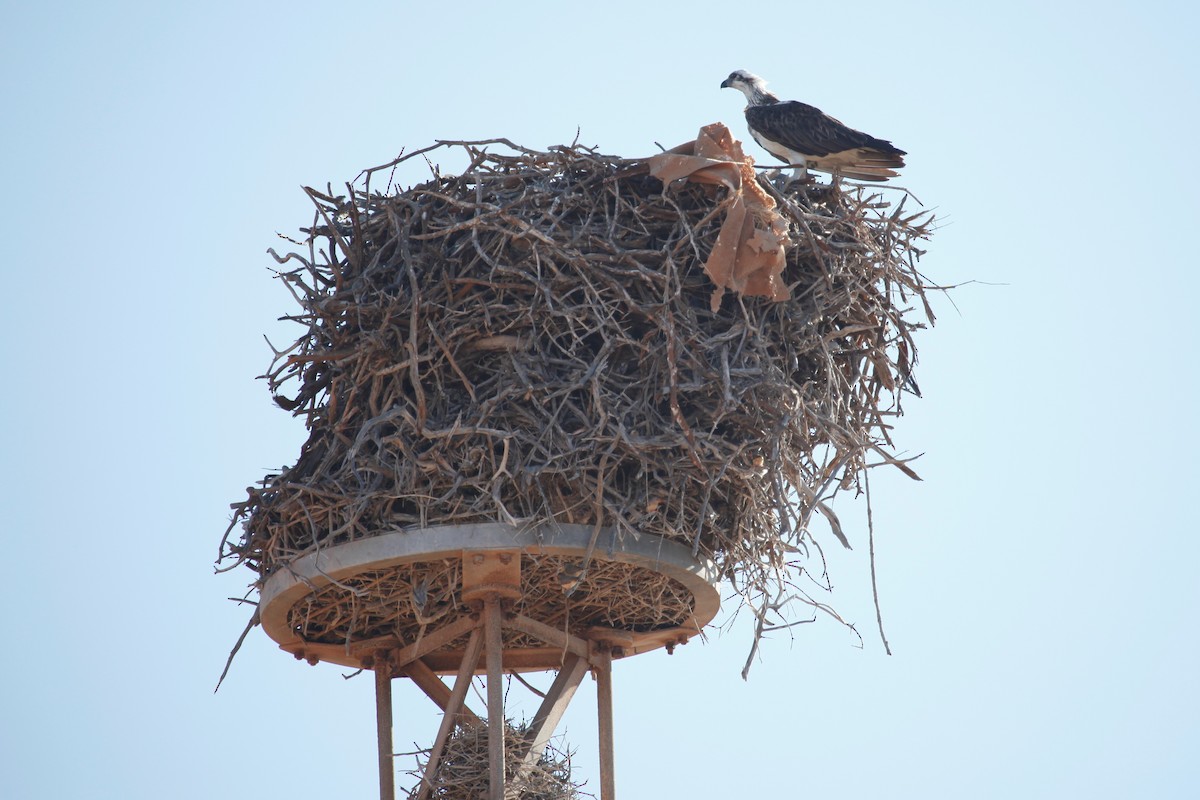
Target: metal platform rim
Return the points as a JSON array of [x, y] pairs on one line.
[[290, 584]]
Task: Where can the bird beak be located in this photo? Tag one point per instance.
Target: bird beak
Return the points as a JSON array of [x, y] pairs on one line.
[[725, 84]]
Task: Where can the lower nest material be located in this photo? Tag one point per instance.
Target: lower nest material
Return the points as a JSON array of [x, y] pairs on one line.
[[462, 772], [405, 601]]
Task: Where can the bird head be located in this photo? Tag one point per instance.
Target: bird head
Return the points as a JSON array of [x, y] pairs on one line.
[[749, 84]]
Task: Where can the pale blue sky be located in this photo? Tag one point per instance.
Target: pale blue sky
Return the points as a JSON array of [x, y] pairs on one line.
[[1038, 586]]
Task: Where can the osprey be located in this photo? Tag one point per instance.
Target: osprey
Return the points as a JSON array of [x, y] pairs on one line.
[[807, 138]]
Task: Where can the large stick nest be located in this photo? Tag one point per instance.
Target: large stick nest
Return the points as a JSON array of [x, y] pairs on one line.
[[531, 341]]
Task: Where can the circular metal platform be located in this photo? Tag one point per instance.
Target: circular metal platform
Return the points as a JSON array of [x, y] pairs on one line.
[[404, 590]]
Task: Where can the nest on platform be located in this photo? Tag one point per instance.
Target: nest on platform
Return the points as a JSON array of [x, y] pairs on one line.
[[538, 339], [385, 602], [462, 771]]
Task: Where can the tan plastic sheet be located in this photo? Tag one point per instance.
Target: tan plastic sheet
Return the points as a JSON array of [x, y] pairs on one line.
[[749, 254]]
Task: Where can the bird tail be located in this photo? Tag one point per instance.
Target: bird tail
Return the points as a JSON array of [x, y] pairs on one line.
[[858, 173], [864, 164]]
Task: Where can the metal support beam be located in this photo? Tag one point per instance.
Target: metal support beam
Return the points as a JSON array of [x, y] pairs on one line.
[[551, 636], [383, 725], [603, 668], [554, 705], [437, 691], [492, 617], [434, 640]]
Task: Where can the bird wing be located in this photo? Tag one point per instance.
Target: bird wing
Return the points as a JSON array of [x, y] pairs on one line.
[[810, 131]]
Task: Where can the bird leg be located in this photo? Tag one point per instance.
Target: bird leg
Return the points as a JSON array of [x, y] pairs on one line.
[[800, 173]]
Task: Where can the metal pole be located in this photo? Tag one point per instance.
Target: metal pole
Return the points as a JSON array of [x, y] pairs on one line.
[[383, 725], [604, 712], [494, 645]]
